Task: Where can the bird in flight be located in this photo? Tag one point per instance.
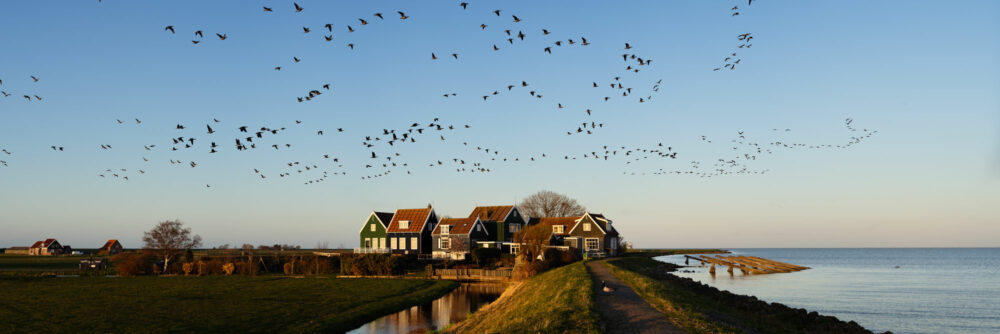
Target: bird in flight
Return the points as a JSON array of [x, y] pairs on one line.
[[221, 36], [268, 9], [402, 16], [297, 7], [171, 29]]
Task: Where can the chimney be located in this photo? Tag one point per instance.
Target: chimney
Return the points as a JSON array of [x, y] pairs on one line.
[[428, 205]]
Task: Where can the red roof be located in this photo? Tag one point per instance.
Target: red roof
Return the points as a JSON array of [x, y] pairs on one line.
[[48, 242], [107, 245], [417, 218], [491, 213], [458, 225]]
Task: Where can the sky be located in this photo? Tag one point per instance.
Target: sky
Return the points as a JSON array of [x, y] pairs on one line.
[[923, 74]]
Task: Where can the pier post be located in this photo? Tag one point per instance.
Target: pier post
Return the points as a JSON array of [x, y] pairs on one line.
[[712, 270]]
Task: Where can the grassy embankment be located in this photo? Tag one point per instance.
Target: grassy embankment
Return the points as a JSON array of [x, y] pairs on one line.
[[698, 308], [206, 304], [557, 301]]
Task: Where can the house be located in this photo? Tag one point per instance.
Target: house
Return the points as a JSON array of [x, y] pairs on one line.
[[46, 247], [373, 233], [409, 231], [456, 237], [502, 222], [111, 247], [592, 233]]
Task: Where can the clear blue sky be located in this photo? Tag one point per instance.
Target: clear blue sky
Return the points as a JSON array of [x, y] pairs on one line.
[[923, 73]]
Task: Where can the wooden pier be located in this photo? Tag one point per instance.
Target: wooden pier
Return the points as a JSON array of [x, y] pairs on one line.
[[746, 264]]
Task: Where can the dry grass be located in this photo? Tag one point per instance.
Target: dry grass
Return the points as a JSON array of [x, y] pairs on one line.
[[557, 301]]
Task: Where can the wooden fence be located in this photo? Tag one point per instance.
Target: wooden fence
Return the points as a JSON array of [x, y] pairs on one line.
[[473, 274]]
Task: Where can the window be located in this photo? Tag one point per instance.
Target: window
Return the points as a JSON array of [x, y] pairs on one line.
[[381, 243], [368, 242], [514, 248], [558, 228], [413, 243], [444, 243], [586, 227], [514, 228], [404, 224], [592, 244], [445, 229], [373, 227], [393, 243]]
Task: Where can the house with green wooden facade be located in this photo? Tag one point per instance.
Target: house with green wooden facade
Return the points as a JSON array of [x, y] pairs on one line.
[[373, 234]]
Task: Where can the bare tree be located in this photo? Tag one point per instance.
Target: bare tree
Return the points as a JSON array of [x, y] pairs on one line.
[[169, 239], [550, 204], [458, 246], [533, 240]]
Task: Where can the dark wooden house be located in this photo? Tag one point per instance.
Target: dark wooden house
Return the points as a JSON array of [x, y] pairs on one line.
[[455, 238], [502, 222], [409, 232]]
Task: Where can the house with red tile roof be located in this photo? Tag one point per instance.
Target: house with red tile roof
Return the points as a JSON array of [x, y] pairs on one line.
[[410, 230], [502, 221], [111, 247], [46, 247], [455, 238]]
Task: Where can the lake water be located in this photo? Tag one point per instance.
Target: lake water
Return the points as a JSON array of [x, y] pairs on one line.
[[933, 290], [451, 308]]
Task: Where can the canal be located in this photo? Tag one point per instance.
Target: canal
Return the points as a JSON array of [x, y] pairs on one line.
[[450, 308]]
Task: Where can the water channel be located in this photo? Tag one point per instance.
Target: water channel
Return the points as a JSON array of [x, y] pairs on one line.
[[450, 308]]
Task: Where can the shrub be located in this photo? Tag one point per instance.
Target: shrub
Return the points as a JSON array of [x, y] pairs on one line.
[[202, 267], [188, 267], [484, 256], [133, 263], [289, 268], [368, 264], [228, 268], [213, 267]]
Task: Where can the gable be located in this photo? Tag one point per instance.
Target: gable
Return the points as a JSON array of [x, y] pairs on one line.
[[587, 219], [496, 213], [416, 218]]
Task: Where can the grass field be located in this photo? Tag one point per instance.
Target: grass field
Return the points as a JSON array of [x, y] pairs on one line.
[[557, 301], [205, 304], [9, 262]]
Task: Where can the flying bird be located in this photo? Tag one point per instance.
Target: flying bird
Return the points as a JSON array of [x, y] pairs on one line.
[[171, 28]]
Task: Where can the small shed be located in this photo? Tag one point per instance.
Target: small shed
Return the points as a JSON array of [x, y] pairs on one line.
[[111, 247], [93, 264]]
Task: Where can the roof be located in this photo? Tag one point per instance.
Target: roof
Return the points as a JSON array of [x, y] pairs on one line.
[[603, 221], [107, 245], [491, 213], [568, 222], [46, 243], [17, 248], [417, 218], [458, 225], [385, 217]]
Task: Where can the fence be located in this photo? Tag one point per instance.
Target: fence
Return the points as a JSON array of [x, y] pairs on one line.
[[474, 274], [371, 251]]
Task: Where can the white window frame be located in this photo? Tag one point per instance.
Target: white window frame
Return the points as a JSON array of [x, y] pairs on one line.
[[597, 244], [373, 227], [368, 242], [404, 224], [413, 243], [586, 227], [514, 248], [381, 243], [393, 243], [444, 243], [514, 228], [558, 229], [445, 229]]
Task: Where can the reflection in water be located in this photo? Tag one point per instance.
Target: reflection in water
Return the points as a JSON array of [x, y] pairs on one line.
[[451, 308]]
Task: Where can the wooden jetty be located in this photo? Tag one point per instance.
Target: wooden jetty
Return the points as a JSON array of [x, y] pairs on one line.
[[746, 264]]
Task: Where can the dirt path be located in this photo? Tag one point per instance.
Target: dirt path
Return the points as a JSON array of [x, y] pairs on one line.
[[624, 311]]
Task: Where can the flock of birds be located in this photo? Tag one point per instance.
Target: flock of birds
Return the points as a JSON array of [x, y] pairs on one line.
[[27, 96], [383, 154]]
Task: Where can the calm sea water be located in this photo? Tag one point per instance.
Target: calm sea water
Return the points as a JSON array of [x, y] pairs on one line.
[[933, 290]]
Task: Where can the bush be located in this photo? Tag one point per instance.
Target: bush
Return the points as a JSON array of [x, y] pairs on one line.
[[188, 268], [368, 264], [133, 263], [228, 268], [485, 256], [289, 268]]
